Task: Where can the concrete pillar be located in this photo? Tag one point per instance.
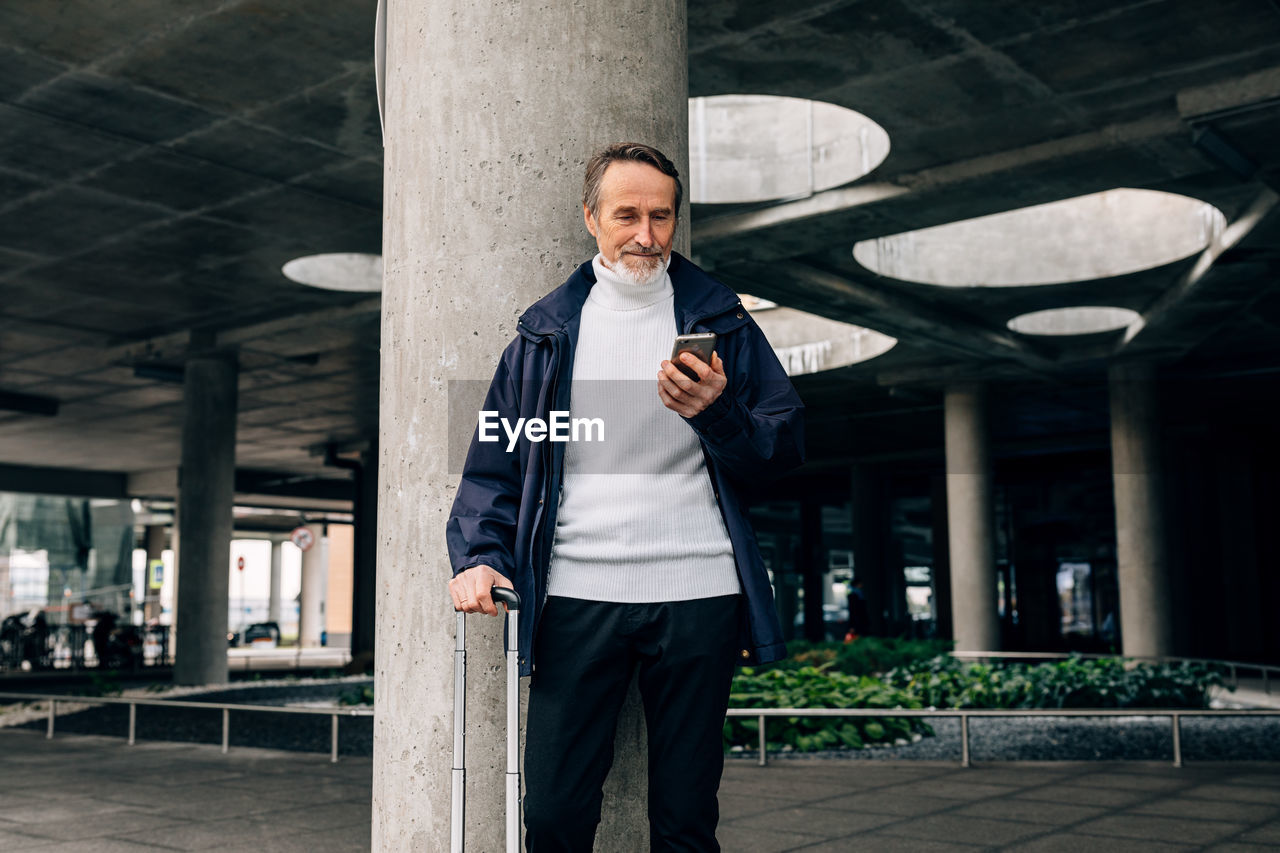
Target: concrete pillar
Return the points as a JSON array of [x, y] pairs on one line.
[[364, 583], [1146, 626], [813, 566], [273, 596], [315, 584], [870, 524], [492, 112], [206, 489], [941, 555], [154, 541], [970, 521]]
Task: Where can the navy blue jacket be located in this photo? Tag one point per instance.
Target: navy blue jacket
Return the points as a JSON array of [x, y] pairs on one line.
[[504, 515]]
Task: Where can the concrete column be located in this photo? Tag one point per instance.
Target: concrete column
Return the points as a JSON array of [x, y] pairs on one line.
[[154, 540], [206, 489], [364, 583], [492, 112], [813, 568], [315, 583], [941, 555], [1146, 626], [273, 597], [970, 521], [870, 525]]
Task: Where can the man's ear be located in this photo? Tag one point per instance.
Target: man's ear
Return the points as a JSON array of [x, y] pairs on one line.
[[589, 219]]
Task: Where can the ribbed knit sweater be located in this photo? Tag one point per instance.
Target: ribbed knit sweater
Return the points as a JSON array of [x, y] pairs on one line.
[[637, 521]]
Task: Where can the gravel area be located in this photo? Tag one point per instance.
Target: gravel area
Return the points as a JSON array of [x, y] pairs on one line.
[[1036, 739], [1080, 739]]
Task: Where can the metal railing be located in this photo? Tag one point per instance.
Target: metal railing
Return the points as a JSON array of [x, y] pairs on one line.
[[225, 707], [1235, 667], [965, 714]]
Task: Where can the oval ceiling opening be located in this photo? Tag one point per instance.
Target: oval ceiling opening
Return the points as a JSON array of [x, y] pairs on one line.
[[1104, 234], [746, 148], [1082, 320], [349, 271], [806, 343]]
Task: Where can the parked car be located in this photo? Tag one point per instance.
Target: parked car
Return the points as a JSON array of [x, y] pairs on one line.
[[262, 635]]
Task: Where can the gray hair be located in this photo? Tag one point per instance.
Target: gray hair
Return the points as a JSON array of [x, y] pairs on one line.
[[636, 152]]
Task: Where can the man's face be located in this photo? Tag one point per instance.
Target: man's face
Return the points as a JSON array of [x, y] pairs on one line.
[[636, 219]]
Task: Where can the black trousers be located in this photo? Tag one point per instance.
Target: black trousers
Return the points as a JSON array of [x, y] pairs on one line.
[[586, 652]]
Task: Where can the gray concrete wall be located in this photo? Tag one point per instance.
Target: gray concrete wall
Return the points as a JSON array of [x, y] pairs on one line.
[[492, 112]]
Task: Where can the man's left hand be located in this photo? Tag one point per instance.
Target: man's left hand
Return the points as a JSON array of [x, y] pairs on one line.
[[683, 395]]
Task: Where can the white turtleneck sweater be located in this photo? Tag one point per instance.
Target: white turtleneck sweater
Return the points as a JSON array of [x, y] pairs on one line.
[[638, 520]]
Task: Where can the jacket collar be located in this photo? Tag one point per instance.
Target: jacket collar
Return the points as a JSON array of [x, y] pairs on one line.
[[697, 297]]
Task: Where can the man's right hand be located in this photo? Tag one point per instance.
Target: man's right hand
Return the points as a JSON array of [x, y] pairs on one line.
[[470, 590]]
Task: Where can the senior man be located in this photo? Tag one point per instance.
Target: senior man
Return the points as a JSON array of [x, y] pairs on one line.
[[634, 551]]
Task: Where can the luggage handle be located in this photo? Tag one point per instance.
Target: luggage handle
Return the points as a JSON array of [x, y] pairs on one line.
[[507, 596], [511, 600]]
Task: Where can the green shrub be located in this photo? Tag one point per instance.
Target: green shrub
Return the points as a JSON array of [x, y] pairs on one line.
[[357, 696], [945, 682], [815, 687], [102, 684], [864, 656]]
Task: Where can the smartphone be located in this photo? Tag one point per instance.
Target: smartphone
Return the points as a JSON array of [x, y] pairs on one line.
[[701, 345]]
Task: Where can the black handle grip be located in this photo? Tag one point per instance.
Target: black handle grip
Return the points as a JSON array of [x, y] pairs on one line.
[[507, 596]]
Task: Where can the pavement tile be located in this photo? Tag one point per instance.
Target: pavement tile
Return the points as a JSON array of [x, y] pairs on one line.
[[821, 822], [1149, 828], [195, 803], [1265, 834], [249, 833], [954, 827], [886, 844], [16, 841], [1012, 776], [1233, 793], [346, 840], [93, 845], [739, 805], [1065, 842], [885, 802], [1131, 781], [1209, 809], [286, 791], [329, 816], [1033, 811], [96, 826], [952, 790], [1254, 780], [749, 839], [1110, 797], [68, 808]]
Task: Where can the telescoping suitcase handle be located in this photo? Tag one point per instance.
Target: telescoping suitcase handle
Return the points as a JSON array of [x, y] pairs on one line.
[[511, 599]]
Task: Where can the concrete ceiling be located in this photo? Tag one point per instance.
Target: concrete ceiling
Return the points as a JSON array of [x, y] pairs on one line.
[[160, 161]]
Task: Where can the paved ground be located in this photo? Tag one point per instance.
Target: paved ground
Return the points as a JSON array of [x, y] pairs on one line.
[[97, 795]]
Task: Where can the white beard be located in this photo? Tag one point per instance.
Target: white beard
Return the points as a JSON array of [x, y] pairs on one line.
[[648, 274]]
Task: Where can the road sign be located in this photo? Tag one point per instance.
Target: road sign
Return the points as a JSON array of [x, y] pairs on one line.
[[240, 563], [303, 538]]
